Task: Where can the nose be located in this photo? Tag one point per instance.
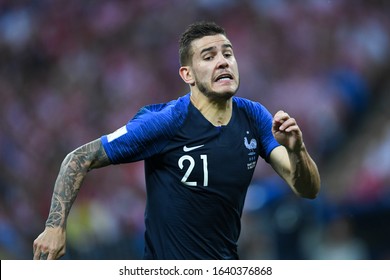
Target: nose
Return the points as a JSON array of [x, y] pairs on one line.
[[222, 62]]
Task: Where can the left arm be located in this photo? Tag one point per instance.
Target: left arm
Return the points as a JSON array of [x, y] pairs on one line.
[[291, 160]]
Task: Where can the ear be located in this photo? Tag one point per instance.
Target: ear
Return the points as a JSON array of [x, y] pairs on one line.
[[185, 73]]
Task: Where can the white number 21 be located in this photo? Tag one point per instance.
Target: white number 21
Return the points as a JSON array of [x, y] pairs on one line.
[[191, 167]]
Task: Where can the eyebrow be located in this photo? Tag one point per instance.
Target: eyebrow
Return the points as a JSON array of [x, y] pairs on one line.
[[224, 46]]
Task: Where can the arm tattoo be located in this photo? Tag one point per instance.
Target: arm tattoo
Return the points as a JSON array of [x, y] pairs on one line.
[[72, 173]]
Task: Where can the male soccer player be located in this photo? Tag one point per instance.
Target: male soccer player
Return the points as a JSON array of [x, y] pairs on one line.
[[200, 152]]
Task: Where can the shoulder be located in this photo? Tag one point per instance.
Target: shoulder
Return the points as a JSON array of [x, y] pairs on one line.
[[160, 120], [147, 132], [165, 111], [262, 121], [254, 109], [163, 117]]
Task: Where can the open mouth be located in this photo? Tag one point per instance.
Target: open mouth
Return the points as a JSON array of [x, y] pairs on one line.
[[224, 77]]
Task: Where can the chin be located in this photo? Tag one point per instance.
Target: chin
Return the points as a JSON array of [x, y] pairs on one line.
[[223, 95], [218, 92]]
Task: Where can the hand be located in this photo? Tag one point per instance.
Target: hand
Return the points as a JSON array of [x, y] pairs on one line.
[[287, 132], [50, 244]]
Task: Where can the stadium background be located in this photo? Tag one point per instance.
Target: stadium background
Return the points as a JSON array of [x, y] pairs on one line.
[[73, 70]]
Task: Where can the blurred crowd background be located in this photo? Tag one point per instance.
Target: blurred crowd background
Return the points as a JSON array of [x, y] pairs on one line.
[[71, 71]]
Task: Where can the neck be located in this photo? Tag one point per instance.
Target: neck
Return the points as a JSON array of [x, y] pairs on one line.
[[217, 111]]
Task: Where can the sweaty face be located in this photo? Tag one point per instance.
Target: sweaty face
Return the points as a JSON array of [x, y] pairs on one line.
[[214, 67]]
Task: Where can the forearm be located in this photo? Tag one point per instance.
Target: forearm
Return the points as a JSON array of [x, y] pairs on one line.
[[66, 188], [305, 178], [72, 173]]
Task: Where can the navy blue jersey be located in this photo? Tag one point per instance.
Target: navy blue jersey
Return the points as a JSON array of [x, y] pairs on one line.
[[197, 174]]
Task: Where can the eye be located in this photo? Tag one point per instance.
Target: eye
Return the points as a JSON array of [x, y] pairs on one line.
[[227, 55], [209, 57]]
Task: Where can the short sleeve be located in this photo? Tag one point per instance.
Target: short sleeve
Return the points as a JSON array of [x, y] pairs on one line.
[[146, 134]]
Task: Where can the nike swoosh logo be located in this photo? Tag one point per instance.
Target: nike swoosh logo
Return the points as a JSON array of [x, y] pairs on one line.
[[188, 149]]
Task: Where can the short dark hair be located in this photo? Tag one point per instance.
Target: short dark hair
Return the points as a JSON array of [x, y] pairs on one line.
[[195, 31]]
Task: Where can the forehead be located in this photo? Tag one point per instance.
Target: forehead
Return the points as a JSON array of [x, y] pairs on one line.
[[206, 42]]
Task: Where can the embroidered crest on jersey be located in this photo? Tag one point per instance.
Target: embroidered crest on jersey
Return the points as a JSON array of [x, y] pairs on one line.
[[251, 146]]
